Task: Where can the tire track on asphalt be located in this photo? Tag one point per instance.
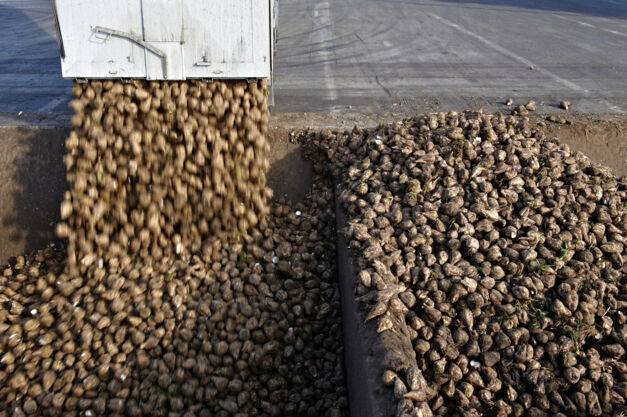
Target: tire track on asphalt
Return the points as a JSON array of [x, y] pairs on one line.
[[590, 25], [568, 84], [376, 76]]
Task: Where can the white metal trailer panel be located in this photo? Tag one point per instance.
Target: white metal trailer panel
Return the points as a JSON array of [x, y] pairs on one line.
[[166, 39]]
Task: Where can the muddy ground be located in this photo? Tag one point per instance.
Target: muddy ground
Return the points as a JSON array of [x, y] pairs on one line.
[[32, 175]]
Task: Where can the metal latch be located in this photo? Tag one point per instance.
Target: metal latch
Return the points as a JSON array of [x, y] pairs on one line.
[[203, 63]]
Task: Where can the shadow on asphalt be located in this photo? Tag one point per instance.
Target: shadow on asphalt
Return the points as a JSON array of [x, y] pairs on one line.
[[31, 188], [616, 9], [32, 174]]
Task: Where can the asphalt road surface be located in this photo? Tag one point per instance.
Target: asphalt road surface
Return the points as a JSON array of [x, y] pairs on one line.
[[451, 54], [31, 88], [368, 55]]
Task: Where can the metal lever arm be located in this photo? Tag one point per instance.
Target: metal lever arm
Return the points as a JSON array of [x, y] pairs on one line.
[[140, 42]]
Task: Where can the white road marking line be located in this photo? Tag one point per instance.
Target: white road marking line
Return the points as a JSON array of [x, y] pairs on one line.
[[584, 24], [614, 32], [525, 61], [51, 105], [324, 35], [504, 51]]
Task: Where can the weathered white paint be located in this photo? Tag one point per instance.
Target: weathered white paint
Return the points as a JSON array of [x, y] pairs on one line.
[[163, 20], [155, 65], [166, 39], [219, 41], [92, 55]]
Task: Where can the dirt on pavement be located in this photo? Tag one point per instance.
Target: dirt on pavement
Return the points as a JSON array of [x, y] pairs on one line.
[[32, 183], [602, 140]]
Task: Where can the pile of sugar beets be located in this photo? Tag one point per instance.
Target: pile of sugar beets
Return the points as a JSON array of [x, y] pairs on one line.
[[183, 291], [491, 259]]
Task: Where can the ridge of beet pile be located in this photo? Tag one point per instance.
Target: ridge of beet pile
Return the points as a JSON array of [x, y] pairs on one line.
[[184, 291], [490, 260]]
